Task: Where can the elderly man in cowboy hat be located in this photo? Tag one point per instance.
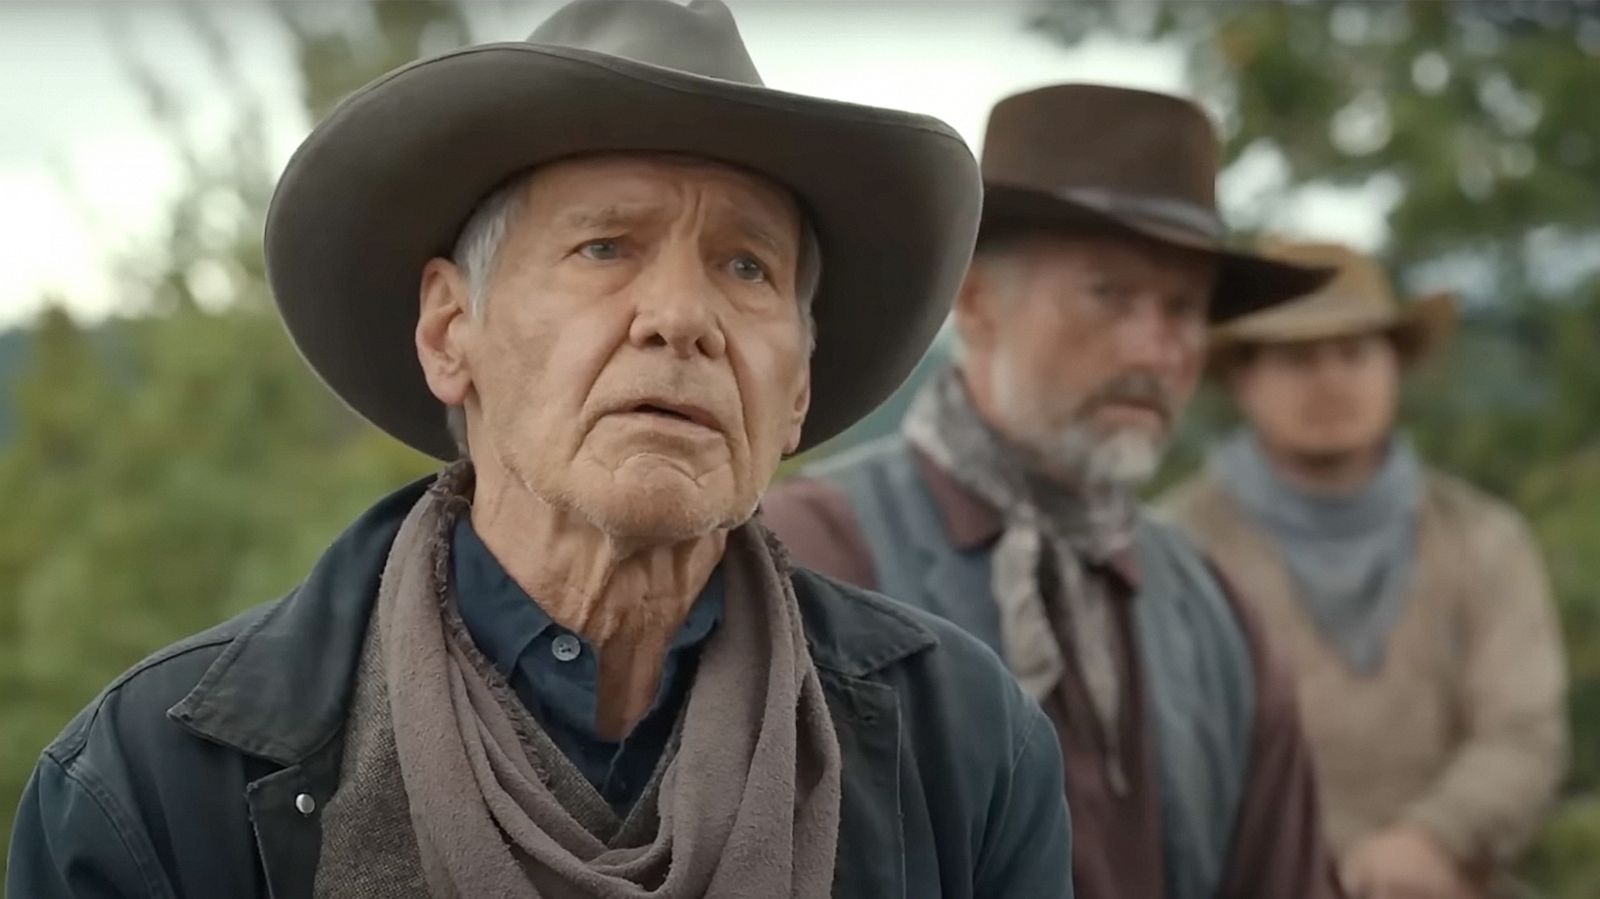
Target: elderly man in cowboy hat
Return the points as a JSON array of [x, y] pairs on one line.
[[1415, 608], [572, 665], [1008, 504]]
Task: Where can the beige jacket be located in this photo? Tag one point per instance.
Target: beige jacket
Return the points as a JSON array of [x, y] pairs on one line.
[[1463, 731]]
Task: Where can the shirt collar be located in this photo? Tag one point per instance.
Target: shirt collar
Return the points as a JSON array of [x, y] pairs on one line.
[[503, 619], [498, 613], [704, 614]]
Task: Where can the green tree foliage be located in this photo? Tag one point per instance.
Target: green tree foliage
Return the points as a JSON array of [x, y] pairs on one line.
[[166, 470], [171, 469], [1483, 116]]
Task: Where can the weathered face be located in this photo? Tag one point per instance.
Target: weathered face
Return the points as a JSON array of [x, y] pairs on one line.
[[1085, 350], [1321, 398], [641, 358]]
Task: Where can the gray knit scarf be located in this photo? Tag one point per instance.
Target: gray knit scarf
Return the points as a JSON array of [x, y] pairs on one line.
[[448, 788], [1351, 557], [1050, 530]]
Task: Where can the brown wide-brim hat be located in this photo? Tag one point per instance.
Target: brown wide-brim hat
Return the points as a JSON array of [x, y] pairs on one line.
[[1358, 300], [1119, 161], [387, 181]]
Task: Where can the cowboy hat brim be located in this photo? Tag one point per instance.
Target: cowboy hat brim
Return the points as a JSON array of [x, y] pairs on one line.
[[389, 178], [1420, 326], [1246, 282]]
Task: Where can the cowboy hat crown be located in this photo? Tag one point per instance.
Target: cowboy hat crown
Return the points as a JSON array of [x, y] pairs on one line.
[[1116, 160], [1359, 299], [387, 180]]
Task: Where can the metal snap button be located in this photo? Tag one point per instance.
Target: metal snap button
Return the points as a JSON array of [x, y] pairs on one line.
[[305, 804]]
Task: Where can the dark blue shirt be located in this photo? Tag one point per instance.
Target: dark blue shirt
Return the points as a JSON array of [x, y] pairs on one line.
[[554, 671]]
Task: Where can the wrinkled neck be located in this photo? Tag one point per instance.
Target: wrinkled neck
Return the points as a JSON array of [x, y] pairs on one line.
[[626, 597]]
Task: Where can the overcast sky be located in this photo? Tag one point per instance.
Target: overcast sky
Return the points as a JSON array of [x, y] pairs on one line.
[[84, 177]]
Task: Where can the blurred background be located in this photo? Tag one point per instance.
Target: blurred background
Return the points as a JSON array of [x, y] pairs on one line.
[[168, 461]]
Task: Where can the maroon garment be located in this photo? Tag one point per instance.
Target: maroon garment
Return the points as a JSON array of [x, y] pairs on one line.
[[1115, 803], [1279, 851]]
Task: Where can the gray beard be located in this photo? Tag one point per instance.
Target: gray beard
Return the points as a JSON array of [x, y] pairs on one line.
[[1075, 453], [1080, 453]]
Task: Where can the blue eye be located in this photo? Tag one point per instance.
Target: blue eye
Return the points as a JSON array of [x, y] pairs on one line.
[[601, 250], [748, 268]]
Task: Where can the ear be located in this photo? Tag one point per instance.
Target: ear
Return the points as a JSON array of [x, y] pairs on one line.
[[1242, 378], [975, 309], [797, 412], [1233, 377], [444, 329]]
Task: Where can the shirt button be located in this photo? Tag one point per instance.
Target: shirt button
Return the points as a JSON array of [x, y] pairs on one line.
[[305, 804], [566, 648]]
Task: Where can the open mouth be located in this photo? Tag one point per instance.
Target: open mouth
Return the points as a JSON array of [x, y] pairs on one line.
[[674, 412]]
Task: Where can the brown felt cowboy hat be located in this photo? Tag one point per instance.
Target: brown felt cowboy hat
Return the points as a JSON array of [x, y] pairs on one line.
[[1358, 300], [389, 178], [1118, 160]]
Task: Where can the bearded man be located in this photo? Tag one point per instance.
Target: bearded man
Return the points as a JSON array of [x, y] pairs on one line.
[[1008, 504]]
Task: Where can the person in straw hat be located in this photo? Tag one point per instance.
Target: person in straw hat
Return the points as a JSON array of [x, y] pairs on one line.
[[611, 279], [1008, 502], [1415, 608]]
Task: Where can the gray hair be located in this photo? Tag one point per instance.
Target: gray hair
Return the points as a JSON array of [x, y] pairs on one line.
[[477, 249], [1002, 261]]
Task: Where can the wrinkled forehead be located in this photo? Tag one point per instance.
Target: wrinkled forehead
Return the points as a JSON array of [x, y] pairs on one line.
[[617, 188]]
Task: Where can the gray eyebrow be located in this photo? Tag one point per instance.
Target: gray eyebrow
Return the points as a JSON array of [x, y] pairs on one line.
[[600, 216], [616, 214], [752, 227]]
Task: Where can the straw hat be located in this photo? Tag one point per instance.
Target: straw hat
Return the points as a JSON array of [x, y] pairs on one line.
[[1358, 300]]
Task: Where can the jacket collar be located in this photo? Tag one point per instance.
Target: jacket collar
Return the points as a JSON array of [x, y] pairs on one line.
[[280, 689], [854, 632], [969, 520]]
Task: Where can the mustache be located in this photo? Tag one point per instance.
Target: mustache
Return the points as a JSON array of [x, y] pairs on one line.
[[1134, 388]]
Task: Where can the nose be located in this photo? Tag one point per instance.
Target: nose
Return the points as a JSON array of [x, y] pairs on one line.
[[1151, 338], [676, 306], [1329, 370]]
